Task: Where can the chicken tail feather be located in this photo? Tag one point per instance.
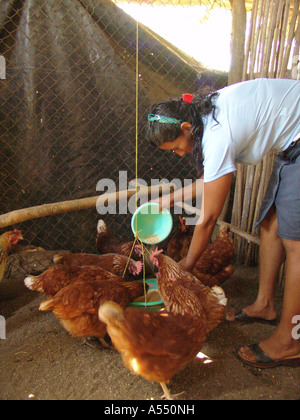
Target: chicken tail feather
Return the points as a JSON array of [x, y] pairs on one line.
[[110, 310], [29, 282], [220, 294], [101, 226], [46, 305], [57, 258]]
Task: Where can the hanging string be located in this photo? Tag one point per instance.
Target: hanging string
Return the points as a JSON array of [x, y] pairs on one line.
[[136, 147], [136, 110], [136, 236]]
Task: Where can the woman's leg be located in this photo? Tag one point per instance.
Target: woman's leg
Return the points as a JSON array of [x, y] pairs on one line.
[[283, 343], [272, 255]]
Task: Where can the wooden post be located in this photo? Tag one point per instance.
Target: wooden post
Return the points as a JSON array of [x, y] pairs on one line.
[[238, 9], [291, 33]]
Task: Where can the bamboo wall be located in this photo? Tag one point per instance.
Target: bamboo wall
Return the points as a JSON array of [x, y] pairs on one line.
[[271, 51]]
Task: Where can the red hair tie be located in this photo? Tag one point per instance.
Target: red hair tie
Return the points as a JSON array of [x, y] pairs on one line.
[[187, 97]]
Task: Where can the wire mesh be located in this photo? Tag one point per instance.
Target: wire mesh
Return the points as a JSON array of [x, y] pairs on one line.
[[67, 110]]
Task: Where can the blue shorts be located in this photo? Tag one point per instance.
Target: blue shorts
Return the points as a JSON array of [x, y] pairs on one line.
[[284, 192]]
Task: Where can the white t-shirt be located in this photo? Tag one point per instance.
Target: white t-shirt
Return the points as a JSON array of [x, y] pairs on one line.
[[253, 117]]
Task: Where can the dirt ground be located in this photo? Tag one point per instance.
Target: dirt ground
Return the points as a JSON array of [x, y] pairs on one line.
[[41, 361]]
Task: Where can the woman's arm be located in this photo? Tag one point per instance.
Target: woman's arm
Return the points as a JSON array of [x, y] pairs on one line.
[[183, 194], [214, 197]]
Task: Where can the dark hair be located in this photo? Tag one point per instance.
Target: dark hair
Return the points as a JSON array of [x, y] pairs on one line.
[[158, 133]]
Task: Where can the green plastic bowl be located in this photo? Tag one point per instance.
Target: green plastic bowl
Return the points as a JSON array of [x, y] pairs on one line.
[[152, 306], [152, 226]]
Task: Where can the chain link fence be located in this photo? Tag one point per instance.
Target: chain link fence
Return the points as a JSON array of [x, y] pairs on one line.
[[68, 110]]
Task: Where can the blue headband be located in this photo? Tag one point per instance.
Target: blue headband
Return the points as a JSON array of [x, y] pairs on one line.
[[163, 120]]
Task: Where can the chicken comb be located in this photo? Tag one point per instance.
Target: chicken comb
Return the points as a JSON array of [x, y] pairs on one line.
[[139, 250], [14, 236], [154, 253]]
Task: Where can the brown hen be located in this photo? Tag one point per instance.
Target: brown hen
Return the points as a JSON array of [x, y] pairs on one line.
[[156, 345], [117, 264], [108, 243], [76, 306], [57, 277], [7, 239], [179, 244], [170, 273], [215, 266], [152, 344]]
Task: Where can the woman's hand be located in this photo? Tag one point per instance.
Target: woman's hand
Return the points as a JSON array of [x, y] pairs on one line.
[[215, 194], [183, 194], [182, 264]]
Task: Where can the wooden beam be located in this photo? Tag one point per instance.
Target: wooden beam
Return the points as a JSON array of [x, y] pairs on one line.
[[234, 229], [50, 209]]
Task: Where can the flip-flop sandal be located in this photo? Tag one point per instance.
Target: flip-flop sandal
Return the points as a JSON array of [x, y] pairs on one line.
[[263, 361], [242, 318]]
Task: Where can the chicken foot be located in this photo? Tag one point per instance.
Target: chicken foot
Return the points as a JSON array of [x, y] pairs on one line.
[[104, 343], [86, 342], [167, 395]]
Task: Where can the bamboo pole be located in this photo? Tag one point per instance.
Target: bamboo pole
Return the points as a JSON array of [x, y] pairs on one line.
[[250, 38], [261, 36], [239, 17], [291, 32], [279, 9], [247, 191], [237, 203], [252, 248], [234, 229], [269, 41], [254, 48], [283, 36], [256, 182], [264, 32], [296, 51], [19, 216]]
